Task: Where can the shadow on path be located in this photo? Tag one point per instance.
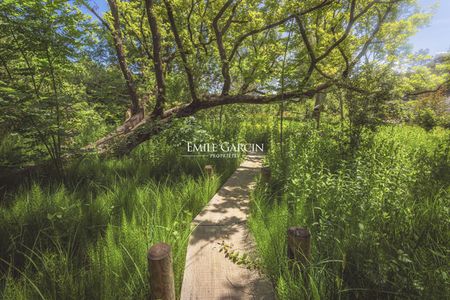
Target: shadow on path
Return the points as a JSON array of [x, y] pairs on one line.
[[208, 273]]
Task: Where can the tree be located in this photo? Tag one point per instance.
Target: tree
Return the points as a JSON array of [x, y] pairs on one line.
[[429, 103], [178, 57], [227, 52], [39, 45]]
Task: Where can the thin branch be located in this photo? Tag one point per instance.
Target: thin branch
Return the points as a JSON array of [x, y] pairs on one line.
[[230, 18], [371, 38], [142, 45], [179, 42], [352, 19], [118, 44], [144, 37], [96, 14], [256, 31], [5, 65], [429, 91], [159, 73], [191, 34], [273, 25], [222, 53], [347, 62], [348, 28], [311, 54], [305, 39], [248, 81]]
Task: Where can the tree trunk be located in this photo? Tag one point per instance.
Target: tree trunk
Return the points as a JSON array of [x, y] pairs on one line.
[[126, 137], [320, 98], [157, 61], [118, 44]]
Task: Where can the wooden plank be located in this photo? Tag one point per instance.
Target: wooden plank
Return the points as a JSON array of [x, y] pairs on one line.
[[208, 273]]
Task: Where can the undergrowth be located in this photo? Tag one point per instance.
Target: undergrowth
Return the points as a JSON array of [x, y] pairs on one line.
[[378, 214]]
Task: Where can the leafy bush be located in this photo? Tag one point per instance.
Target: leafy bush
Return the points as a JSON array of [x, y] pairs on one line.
[[426, 119]]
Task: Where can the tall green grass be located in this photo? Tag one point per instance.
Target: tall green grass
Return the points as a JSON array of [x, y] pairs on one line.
[[89, 241], [379, 216], [85, 235]]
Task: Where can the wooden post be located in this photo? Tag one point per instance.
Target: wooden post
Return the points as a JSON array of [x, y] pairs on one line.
[[265, 174], [162, 285], [209, 170], [299, 245]]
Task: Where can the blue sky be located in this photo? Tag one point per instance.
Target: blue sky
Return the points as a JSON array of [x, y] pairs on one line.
[[436, 36]]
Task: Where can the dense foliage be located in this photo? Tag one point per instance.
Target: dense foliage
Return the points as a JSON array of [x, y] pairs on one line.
[[68, 67], [378, 216], [98, 102], [85, 236]]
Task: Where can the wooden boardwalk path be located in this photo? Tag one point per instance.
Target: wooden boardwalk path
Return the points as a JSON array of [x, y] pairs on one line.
[[208, 274]]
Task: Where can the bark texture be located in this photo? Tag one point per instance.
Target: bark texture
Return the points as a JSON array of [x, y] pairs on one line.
[[125, 138], [120, 50]]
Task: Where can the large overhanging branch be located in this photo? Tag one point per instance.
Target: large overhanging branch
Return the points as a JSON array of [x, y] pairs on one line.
[[125, 139], [218, 100]]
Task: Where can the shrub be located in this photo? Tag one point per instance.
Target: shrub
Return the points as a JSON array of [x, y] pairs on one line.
[[378, 218], [426, 119]]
